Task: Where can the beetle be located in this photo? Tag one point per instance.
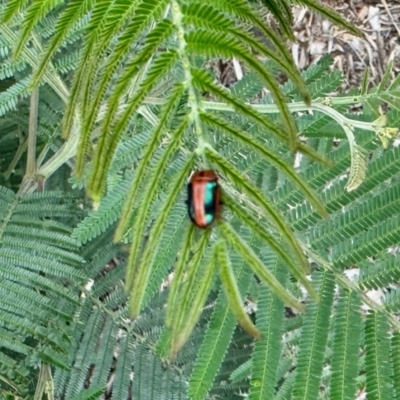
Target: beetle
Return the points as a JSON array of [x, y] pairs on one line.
[[204, 198]]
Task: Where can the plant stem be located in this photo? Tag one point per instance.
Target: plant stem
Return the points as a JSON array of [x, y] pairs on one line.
[[32, 137], [28, 182], [192, 100], [323, 105], [316, 105], [45, 383], [23, 145], [66, 152]]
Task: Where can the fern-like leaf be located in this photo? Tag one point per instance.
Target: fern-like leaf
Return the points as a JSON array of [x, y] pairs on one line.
[[90, 394], [109, 141], [148, 152], [280, 164], [358, 169], [232, 292], [247, 218], [377, 363], [107, 213], [395, 359], [153, 41], [214, 44], [12, 7], [235, 176], [313, 340], [34, 13], [145, 11], [186, 309], [148, 195], [74, 10], [218, 335], [266, 353], [257, 266], [347, 329]]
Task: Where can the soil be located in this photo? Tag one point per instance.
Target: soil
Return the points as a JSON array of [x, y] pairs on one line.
[[379, 21]]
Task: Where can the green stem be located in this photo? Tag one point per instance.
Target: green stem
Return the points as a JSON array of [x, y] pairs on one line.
[[23, 145], [67, 151], [45, 384], [316, 105], [192, 100], [323, 105], [32, 136], [28, 182]]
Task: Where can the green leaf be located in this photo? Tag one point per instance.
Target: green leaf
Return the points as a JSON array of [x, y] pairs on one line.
[[242, 372], [192, 299], [377, 363], [75, 9], [270, 155], [168, 246], [313, 340], [218, 335], [203, 81], [90, 394], [179, 276], [253, 192], [365, 81], [257, 266], [120, 12], [347, 329], [98, 15], [217, 44], [145, 265], [255, 225], [12, 8], [149, 151], [385, 78], [139, 225], [108, 212], [208, 17], [36, 11], [285, 391], [109, 140], [395, 359], [241, 9], [153, 41], [123, 371], [232, 292], [381, 274], [182, 304], [153, 381], [267, 350]]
